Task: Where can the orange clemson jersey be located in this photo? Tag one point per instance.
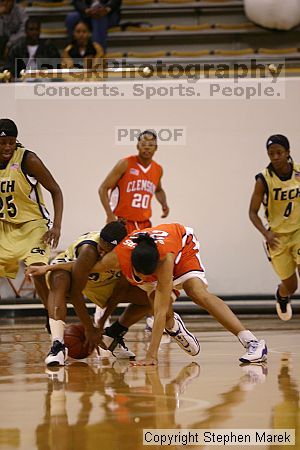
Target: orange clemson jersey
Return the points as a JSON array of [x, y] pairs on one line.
[[132, 195], [170, 238]]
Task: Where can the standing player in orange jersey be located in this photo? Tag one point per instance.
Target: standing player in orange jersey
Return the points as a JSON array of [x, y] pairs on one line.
[[127, 191], [132, 183]]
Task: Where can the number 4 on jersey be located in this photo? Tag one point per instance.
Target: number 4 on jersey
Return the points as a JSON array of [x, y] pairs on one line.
[[288, 210]]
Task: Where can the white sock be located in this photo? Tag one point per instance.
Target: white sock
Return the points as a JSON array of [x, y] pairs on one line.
[[245, 337], [57, 328], [98, 313]]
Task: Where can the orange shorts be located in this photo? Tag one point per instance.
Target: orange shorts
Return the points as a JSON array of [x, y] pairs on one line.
[[131, 226], [189, 264]]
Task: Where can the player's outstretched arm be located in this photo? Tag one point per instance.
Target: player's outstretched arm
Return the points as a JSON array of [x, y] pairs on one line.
[[36, 271], [161, 306]]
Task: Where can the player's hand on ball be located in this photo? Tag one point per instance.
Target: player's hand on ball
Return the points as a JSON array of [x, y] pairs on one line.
[[94, 339]]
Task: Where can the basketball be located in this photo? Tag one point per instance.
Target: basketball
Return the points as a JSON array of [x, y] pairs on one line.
[[74, 338]]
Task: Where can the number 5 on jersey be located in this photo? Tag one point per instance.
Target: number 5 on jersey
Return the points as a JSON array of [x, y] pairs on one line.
[[10, 207]]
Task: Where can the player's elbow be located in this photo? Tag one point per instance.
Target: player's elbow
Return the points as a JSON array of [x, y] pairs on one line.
[[252, 215], [56, 191], [103, 190]]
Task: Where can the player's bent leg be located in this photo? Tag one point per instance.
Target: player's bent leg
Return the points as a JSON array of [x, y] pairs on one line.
[[42, 292], [60, 282], [197, 291], [283, 297], [41, 288]]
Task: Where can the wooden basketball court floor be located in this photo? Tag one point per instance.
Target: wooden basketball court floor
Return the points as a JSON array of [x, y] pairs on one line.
[[104, 403]]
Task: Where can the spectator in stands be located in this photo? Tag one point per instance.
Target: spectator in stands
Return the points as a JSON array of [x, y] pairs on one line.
[[101, 15], [31, 52], [12, 25], [82, 52]]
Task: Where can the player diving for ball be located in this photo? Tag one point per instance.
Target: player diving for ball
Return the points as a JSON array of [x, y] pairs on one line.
[[102, 288], [159, 259]]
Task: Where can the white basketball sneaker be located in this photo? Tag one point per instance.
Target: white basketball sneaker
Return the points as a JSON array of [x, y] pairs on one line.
[[57, 355], [256, 352], [184, 338], [117, 347]]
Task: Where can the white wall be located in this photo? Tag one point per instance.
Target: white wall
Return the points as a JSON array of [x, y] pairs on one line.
[[208, 181]]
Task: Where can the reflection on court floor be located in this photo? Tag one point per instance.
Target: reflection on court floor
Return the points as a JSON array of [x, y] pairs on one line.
[[104, 403]]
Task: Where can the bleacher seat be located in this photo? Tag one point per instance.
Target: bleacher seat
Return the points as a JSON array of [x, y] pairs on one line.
[[137, 2], [189, 54], [203, 26], [234, 52], [51, 4], [278, 51], [235, 26], [175, 1], [160, 54]]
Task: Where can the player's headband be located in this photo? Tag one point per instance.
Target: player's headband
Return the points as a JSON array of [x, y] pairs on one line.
[[8, 128], [278, 139], [113, 233]]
